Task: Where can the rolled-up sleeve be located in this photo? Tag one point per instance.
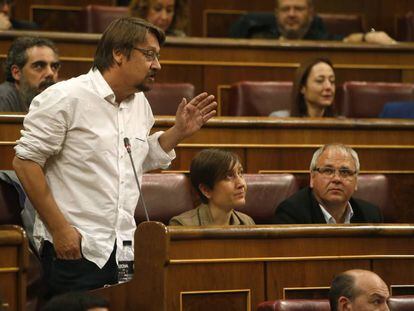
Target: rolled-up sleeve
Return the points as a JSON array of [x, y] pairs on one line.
[[157, 157], [44, 127]]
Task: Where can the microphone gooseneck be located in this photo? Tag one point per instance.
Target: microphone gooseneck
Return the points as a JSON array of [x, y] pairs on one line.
[[141, 197]]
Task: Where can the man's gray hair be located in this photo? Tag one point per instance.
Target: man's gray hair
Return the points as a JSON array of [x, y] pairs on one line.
[[339, 147]]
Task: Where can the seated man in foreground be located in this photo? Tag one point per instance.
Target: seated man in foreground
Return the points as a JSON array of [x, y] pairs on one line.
[[333, 179], [358, 290]]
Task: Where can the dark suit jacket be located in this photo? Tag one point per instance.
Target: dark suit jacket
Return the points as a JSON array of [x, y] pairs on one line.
[[302, 208], [264, 25]]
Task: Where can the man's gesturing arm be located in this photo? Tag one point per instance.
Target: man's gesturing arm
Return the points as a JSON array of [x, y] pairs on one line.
[[66, 239]]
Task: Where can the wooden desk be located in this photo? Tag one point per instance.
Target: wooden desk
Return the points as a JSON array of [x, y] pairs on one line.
[[235, 268], [14, 262], [212, 65]]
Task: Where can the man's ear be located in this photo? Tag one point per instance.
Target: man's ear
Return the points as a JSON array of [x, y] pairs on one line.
[[205, 190], [344, 304], [118, 56], [16, 72], [311, 179]]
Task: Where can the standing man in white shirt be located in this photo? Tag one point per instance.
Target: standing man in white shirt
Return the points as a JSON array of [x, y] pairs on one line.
[[73, 165]]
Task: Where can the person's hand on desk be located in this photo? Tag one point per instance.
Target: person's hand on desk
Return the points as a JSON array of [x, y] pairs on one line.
[[378, 37]]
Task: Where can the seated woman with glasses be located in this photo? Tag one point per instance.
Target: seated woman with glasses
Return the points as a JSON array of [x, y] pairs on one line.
[[169, 15], [313, 90], [217, 175], [328, 199]]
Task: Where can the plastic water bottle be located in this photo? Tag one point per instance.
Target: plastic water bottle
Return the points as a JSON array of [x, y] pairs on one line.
[[126, 263]]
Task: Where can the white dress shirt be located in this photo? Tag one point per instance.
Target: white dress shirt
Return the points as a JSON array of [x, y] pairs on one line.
[[75, 131], [331, 220]]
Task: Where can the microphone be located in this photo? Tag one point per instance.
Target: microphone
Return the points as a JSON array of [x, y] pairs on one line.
[[141, 197]]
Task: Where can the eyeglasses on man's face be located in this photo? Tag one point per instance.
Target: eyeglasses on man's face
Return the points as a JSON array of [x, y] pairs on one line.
[[150, 55], [330, 172]]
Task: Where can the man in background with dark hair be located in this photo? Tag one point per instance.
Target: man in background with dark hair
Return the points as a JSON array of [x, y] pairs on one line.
[[31, 66], [73, 162], [358, 290]]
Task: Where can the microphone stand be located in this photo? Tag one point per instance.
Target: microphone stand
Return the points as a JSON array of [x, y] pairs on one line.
[[141, 198]]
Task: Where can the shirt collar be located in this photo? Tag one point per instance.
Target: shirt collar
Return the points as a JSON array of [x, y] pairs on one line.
[[349, 212], [104, 90]]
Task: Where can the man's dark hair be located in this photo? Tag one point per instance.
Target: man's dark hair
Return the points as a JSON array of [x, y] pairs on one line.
[[122, 35], [17, 53], [342, 285], [75, 301], [210, 166]]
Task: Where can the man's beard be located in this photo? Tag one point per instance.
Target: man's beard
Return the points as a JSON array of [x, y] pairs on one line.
[[28, 92], [294, 34], [145, 87]]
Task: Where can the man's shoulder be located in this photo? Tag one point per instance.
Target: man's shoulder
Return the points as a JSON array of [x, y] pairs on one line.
[[255, 25], [7, 86], [365, 211], [318, 31], [297, 209], [9, 98], [299, 198]]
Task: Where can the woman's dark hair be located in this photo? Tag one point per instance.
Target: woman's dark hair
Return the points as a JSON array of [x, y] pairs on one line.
[[210, 166], [298, 106], [140, 8]]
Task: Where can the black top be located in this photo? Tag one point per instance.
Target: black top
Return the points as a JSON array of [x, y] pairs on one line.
[[264, 25], [303, 208]]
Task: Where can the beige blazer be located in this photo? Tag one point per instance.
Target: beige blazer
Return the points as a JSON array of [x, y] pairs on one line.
[[201, 216]]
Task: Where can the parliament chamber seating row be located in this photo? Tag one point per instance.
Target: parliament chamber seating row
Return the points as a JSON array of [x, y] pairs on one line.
[[169, 194], [214, 22], [354, 99], [395, 303]]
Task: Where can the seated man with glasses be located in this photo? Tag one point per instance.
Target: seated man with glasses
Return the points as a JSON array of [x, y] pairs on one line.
[[333, 180]]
